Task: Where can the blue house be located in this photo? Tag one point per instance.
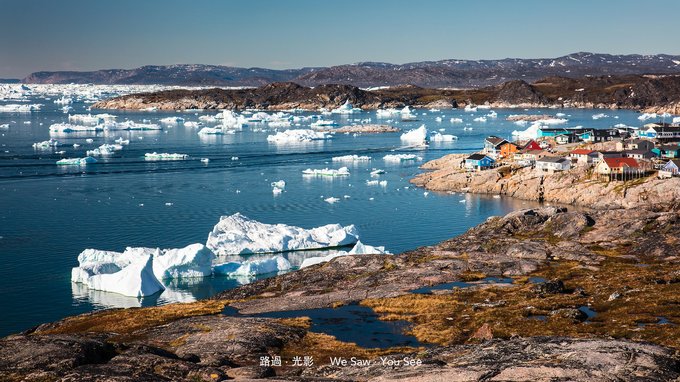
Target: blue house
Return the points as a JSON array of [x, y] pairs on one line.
[[478, 162], [667, 151]]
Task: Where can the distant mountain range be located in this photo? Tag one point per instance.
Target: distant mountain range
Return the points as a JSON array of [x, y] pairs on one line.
[[430, 74]]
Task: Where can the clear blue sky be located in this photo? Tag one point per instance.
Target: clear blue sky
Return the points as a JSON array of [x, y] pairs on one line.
[[96, 34]]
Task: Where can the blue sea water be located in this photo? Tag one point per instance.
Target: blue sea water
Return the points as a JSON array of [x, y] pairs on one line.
[[50, 213]]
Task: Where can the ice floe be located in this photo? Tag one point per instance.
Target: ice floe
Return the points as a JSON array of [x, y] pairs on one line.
[[439, 137], [165, 156], [76, 161], [16, 108], [46, 144], [297, 135], [351, 158], [399, 158], [342, 171], [105, 149]]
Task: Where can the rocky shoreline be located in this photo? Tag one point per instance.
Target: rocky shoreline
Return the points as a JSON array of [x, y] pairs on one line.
[[573, 187], [621, 264], [636, 92]]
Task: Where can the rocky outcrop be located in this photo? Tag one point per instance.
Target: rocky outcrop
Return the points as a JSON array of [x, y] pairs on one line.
[[576, 186], [630, 92]]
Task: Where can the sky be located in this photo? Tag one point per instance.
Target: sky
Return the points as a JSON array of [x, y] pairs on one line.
[[50, 35]]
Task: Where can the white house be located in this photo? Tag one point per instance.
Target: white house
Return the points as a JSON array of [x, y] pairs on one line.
[[553, 164]]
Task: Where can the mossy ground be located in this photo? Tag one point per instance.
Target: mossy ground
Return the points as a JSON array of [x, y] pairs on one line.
[[647, 294], [124, 321]]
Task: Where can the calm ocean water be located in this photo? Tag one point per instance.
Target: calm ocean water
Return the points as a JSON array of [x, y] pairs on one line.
[[50, 213]]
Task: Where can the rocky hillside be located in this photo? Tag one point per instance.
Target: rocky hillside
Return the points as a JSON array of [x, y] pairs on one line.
[[631, 92], [575, 186], [433, 74]]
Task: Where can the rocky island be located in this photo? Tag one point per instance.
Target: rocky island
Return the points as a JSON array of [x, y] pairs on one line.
[[656, 93]]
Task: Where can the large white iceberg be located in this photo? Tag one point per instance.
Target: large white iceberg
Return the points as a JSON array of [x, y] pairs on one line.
[[351, 158], [136, 280], [419, 135], [237, 234], [16, 108], [194, 260]]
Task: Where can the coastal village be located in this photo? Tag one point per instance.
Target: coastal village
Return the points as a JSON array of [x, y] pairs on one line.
[[614, 154]]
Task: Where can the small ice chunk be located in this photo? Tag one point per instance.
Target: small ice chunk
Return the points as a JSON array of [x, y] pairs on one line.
[[331, 200], [76, 161]]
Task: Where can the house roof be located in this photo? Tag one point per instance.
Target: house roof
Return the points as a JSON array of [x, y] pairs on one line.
[[553, 159], [477, 157], [582, 152], [669, 147], [676, 162], [639, 152], [494, 140], [621, 162]]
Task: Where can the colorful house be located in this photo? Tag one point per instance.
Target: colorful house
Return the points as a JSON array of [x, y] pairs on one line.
[[508, 149], [618, 166], [667, 151], [583, 156], [492, 146], [553, 164], [672, 166], [478, 162]]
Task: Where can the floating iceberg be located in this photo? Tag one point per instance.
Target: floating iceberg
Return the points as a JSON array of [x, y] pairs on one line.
[[279, 184], [342, 171], [191, 124], [237, 234], [480, 119], [351, 158], [377, 172], [331, 200], [532, 132], [210, 131], [63, 128], [192, 261], [398, 158], [599, 116], [16, 108], [172, 120], [439, 137], [456, 120], [105, 149], [76, 161], [346, 108], [90, 119], [254, 267], [387, 113], [132, 126], [297, 135], [676, 120], [359, 249], [646, 116], [324, 123], [136, 280], [165, 156], [419, 135], [46, 144]]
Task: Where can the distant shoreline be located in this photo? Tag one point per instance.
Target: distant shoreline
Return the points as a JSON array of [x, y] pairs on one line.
[[647, 93]]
